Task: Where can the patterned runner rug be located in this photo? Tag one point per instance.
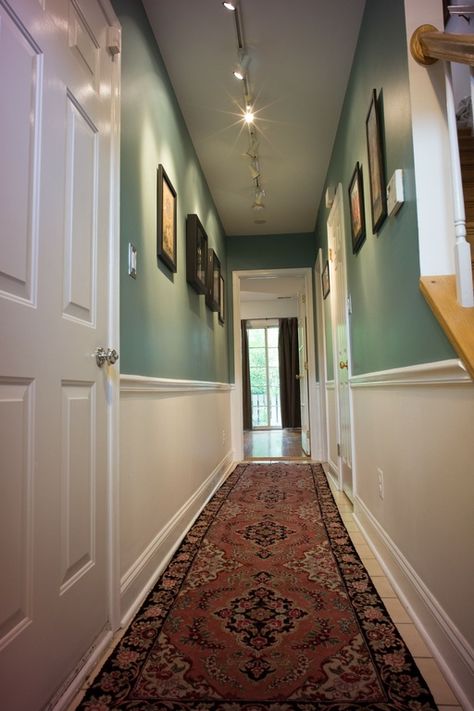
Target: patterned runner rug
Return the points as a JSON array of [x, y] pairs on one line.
[[266, 606]]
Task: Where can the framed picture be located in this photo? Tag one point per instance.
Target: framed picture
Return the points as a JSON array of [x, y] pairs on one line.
[[221, 299], [212, 280], [356, 203], [325, 280], [166, 220], [378, 197], [196, 254]]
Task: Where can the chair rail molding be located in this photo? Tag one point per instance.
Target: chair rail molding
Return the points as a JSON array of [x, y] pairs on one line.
[[143, 384]]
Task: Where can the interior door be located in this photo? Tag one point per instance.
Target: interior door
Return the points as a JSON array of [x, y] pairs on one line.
[[340, 330], [303, 375], [55, 162]]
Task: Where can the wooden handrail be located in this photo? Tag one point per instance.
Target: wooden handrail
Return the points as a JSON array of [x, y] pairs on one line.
[[427, 45]]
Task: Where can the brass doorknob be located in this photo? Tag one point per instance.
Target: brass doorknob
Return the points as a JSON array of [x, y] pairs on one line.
[[343, 364]]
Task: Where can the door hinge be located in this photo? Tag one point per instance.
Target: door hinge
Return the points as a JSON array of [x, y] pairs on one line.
[[338, 449], [114, 42]]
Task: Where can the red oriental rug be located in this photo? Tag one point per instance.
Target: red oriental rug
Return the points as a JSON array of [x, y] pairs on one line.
[[266, 606]]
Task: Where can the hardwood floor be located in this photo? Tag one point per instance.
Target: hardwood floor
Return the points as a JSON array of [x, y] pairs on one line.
[[273, 444]]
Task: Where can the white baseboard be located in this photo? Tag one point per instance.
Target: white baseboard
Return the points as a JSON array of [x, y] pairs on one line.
[[143, 574], [449, 647]]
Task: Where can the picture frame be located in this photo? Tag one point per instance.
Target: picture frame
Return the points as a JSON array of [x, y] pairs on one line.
[[196, 254], [325, 283], [212, 280], [221, 312], [166, 206], [356, 204], [378, 187]]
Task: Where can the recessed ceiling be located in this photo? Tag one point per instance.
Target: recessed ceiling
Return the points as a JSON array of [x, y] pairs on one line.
[[300, 58]]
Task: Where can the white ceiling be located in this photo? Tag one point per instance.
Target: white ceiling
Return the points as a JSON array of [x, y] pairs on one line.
[[270, 288], [301, 53]]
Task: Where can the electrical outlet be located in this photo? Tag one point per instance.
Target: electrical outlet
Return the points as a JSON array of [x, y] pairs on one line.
[[380, 482]]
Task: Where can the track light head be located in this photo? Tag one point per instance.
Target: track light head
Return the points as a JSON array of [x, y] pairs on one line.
[[231, 6], [240, 69]]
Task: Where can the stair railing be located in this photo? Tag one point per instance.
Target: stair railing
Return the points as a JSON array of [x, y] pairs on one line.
[[427, 46]]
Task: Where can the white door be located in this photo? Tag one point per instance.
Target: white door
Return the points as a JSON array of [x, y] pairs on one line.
[[55, 163], [340, 330], [303, 375]]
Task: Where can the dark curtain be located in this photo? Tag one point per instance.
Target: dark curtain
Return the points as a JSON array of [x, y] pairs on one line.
[[246, 396], [289, 369]]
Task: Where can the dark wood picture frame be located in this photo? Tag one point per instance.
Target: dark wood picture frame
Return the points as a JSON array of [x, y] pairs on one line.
[[212, 280], [196, 254], [221, 312], [378, 187], [356, 204], [166, 211], [325, 283]]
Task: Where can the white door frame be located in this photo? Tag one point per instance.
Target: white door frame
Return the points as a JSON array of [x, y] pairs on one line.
[[339, 204], [113, 399], [322, 364], [236, 398]]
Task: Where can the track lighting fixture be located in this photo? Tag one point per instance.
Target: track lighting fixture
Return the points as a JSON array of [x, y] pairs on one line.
[[241, 73], [254, 169], [240, 69]]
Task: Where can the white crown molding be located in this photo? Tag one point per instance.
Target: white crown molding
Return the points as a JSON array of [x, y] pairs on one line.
[[143, 384], [444, 372]]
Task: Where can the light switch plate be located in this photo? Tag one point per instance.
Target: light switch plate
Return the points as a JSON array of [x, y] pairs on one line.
[[395, 193], [132, 260]]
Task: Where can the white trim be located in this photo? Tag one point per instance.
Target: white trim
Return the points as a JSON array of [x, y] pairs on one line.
[[113, 393], [236, 400], [322, 354], [330, 384], [421, 604], [444, 372], [158, 546], [63, 698], [143, 384]]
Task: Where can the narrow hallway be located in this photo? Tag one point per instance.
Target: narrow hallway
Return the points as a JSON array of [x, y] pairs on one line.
[[267, 602]]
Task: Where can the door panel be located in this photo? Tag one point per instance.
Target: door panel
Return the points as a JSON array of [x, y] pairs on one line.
[[20, 117], [55, 149]]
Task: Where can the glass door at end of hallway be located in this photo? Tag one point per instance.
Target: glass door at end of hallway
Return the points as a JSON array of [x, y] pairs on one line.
[[264, 376]]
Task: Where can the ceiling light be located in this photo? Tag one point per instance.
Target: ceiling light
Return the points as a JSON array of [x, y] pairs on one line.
[[240, 69], [232, 6], [254, 169], [249, 115]]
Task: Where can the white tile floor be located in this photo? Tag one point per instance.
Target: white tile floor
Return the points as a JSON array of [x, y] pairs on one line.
[[442, 693], [430, 670]]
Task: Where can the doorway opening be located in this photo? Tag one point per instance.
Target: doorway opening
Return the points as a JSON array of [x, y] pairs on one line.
[[263, 301]]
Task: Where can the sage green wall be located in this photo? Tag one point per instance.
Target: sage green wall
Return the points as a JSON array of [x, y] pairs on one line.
[[270, 252], [166, 329], [391, 324]]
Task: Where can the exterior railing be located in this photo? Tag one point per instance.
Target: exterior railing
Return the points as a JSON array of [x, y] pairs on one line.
[[427, 46], [260, 411]]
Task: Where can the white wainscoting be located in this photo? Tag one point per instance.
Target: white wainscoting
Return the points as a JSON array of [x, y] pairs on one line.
[[175, 450], [416, 424]]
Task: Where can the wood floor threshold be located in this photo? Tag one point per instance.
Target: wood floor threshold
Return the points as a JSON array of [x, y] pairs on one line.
[[457, 321]]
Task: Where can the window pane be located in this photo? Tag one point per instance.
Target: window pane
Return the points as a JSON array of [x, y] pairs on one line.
[[273, 337], [256, 337], [258, 381], [274, 378], [256, 358], [273, 357]]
